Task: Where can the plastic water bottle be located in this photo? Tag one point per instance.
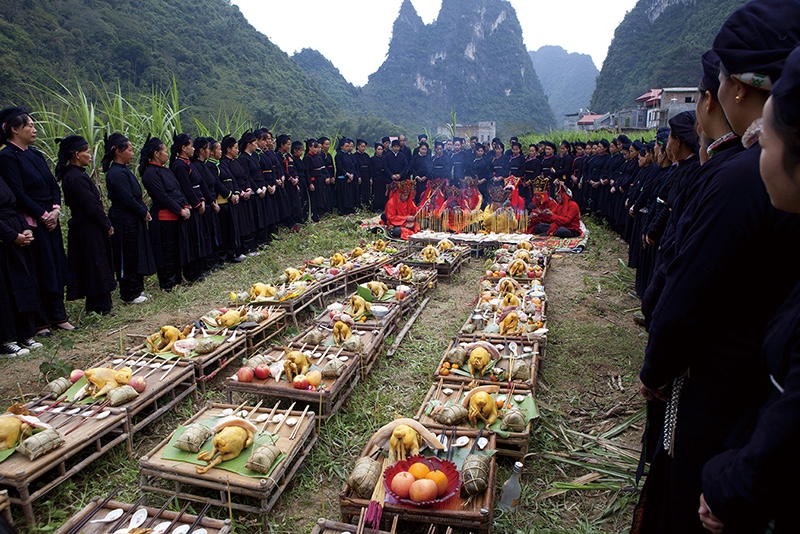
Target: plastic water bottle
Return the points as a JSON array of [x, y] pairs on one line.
[[512, 490]]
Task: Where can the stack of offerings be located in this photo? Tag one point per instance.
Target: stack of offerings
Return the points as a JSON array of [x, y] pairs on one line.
[[209, 348], [416, 280], [463, 465], [320, 366], [231, 456], [45, 442], [445, 256]]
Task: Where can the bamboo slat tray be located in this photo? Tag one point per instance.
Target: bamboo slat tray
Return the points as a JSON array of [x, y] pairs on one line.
[[531, 357], [474, 514], [212, 526], [29, 480], [324, 402], [325, 526], [514, 445], [167, 386], [223, 488], [371, 322], [208, 365], [371, 343]]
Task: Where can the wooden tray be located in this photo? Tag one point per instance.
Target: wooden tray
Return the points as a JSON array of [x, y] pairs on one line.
[[295, 305], [453, 261], [208, 365], [5, 509], [422, 287], [167, 386], [28, 480], [477, 515], [325, 402], [371, 341], [325, 526], [531, 358], [212, 526], [387, 323], [247, 494], [258, 336], [515, 445]]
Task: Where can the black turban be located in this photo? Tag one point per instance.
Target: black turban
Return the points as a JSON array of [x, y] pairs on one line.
[[385, 140], [638, 145], [9, 114], [786, 93], [683, 127], [710, 79], [757, 38], [662, 135], [420, 137], [551, 144], [71, 144], [438, 143], [604, 142], [227, 142], [396, 142], [378, 145]]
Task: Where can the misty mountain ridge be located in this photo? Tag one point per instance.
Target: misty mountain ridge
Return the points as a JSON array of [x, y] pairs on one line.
[[567, 78]]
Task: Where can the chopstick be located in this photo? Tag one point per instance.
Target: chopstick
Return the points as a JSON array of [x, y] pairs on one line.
[[127, 514], [269, 417], [297, 426], [254, 409], [280, 423], [159, 512], [100, 506], [360, 527], [199, 517], [168, 371], [106, 403], [177, 517]]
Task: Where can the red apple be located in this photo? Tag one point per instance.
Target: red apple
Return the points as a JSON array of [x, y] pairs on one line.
[[314, 377], [223, 310], [399, 295], [75, 375], [138, 383], [489, 273], [300, 382], [262, 371], [531, 274], [334, 271], [245, 374], [401, 484], [423, 489], [503, 274]]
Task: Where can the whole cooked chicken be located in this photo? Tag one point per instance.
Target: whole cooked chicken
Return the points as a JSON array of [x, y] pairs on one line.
[[162, 341], [359, 306], [378, 289], [11, 429], [233, 435], [101, 380], [341, 332], [517, 268], [510, 299], [405, 442], [430, 253], [479, 360], [379, 245], [482, 406], [292, 274], [338, 259], [357, 253], [259, 290], [231, 318], [405, 273], [509, 323], [296, 363]]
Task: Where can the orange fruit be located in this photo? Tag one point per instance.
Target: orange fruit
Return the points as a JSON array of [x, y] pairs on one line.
[[419, 470], [444, 371], [446, 365], [441, 481], [500, 403], [454, 366]]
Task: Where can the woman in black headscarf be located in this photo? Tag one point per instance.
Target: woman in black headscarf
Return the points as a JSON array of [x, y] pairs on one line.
[[39, 199], [744, 488], [247, 212], [193, 251], [228, 194], [133, 255], [211, 232], [19, 292], [170, 211], [701, 383], [90, 256]]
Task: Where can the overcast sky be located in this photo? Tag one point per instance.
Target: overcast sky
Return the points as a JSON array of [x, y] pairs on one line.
[[354, 34]]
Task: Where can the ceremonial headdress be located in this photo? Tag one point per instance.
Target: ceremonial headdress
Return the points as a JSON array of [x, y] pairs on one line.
[[540, 184], [403, 186], [499, 193]]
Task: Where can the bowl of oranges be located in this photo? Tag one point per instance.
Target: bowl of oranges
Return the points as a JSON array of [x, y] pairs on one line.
[[422, 481]]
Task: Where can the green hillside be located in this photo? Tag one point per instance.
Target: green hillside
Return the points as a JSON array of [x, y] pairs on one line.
[[662, 53], [221, 63], [567, 78]]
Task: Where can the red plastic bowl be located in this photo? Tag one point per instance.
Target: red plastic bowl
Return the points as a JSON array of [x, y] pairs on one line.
[[445, 466]]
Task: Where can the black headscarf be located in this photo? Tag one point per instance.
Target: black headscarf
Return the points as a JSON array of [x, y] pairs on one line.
[[662, 135], [756, 40], [683, 127], [710, 80], [111, 145], [151, 146], [786, 93], [7, 117], [66, 148]]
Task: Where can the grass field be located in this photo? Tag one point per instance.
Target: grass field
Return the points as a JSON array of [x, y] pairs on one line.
[[590, 421]]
